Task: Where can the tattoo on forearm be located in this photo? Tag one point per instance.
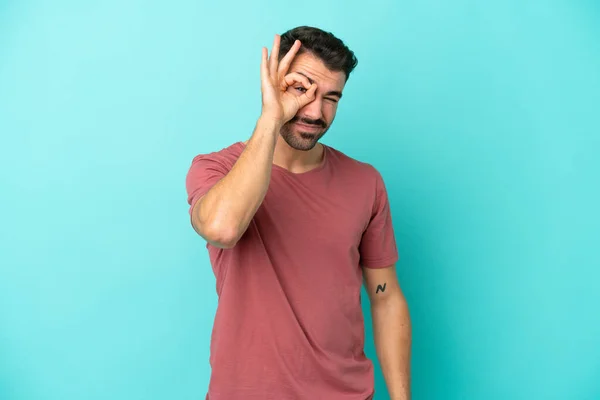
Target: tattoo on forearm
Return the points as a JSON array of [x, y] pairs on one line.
[[379, 287]]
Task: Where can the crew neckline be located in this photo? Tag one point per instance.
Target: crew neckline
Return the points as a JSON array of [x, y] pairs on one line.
[[309, 172]]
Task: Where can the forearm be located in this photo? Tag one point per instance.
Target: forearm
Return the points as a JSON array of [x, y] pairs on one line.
[[227, 209], [392, 331]]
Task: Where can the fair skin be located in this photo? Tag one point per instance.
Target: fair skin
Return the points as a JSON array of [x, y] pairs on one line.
[[391, 329], [329, 87], [300, 96]]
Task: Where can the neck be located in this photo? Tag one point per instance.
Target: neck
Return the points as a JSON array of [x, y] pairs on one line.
[[296, 161]]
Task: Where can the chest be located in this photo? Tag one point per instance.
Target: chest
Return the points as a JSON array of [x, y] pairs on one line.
[[320, 216]]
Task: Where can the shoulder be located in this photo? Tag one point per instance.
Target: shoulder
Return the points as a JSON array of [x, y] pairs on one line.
[[360, 171], [225, 156]]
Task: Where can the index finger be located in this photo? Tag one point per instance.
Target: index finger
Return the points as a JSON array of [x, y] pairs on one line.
[[287, 60], [274, 59]]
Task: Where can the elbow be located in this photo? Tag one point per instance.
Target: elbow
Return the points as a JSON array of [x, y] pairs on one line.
[[225, 241], [390, 302], [220, 236], [216, 231]]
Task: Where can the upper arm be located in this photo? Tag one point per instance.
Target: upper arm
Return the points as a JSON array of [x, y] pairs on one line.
[[382, 284], [206, 170], [378, 243], [194, 209]]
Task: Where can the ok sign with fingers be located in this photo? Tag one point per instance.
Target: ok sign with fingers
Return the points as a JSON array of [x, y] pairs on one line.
[[277, 102]]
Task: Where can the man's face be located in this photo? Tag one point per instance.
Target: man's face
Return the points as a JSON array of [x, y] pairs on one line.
[[311, 122]]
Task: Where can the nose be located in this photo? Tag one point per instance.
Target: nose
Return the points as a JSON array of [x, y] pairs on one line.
[[312, 110]]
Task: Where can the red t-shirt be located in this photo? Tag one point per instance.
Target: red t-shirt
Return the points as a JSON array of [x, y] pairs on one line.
[[289, 322]]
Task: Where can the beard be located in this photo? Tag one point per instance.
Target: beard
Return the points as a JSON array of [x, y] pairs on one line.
[[300, 139]]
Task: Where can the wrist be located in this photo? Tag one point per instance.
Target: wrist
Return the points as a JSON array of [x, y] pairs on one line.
[[271, 121]]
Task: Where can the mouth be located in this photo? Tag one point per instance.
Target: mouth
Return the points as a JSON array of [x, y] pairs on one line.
[[310, 128]]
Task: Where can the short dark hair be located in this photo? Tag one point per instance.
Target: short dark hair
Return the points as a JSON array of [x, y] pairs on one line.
[[323, 45]]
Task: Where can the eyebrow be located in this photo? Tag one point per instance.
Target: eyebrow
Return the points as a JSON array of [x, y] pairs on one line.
[[330, 93]]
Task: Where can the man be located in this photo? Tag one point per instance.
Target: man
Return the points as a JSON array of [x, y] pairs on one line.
[[292, 227]]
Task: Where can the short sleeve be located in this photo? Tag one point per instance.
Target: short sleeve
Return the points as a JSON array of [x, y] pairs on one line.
[[206, 170], [378, 244]]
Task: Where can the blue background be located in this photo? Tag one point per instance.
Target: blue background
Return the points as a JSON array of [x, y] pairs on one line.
[[483, 117]]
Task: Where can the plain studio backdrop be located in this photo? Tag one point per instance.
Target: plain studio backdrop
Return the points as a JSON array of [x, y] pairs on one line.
[[482, 116]]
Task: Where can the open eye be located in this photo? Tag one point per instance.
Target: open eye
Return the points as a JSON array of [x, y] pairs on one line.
[[301, 89]]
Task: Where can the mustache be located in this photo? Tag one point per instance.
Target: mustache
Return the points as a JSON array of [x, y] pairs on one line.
[[308, 121]]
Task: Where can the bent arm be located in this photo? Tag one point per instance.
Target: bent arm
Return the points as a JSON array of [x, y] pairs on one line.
[[223, 214]]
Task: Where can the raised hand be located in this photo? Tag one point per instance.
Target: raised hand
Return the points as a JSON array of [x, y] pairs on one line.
[[278, 102]]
